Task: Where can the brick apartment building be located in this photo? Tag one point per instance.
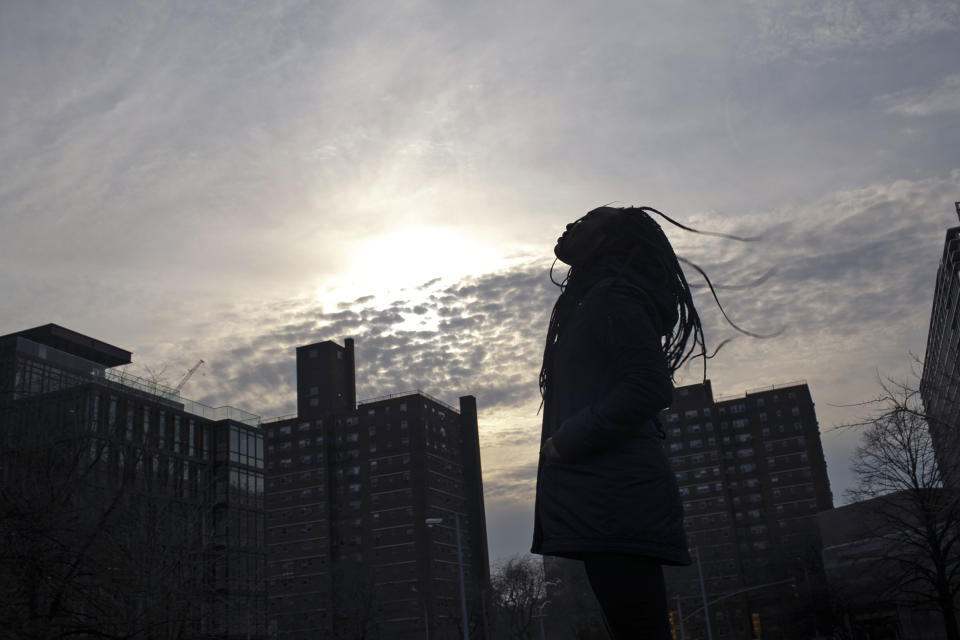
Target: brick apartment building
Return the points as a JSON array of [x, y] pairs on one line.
[[373, 511], [753, 478]]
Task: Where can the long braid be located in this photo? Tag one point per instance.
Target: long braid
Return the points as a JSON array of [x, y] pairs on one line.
[[685, 340]]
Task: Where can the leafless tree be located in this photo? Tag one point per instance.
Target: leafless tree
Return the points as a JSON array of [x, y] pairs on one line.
[[917, 520], [519, 593], [93, 543], [354, 601]]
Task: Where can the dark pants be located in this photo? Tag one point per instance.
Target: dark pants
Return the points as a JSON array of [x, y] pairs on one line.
[[631, 593]]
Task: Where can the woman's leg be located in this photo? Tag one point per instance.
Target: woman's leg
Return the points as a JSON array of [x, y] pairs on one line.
[[631, 593]]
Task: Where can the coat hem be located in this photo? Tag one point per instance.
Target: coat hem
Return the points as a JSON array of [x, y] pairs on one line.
[[577, 549]]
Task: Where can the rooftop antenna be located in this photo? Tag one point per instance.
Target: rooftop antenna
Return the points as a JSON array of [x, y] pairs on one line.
[[188, 375]]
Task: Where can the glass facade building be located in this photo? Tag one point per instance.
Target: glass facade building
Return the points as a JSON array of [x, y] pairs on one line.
[[940, 384], [191, 487]]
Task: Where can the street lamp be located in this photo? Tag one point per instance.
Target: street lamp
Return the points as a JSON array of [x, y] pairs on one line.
[[703, 594], [547, 583], [545, 603], [463, 594]]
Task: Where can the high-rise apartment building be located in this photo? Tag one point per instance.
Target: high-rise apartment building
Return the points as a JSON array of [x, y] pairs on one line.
[[376, 521], [940, 385], [752, 477], [141, 511]]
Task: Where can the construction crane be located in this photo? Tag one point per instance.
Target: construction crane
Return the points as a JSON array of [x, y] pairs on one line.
[[188, 375]]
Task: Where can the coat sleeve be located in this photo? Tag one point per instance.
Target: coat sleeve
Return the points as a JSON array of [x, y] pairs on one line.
[[640, 384]]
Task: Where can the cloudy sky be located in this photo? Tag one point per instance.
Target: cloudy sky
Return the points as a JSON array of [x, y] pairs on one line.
[[228, 180]]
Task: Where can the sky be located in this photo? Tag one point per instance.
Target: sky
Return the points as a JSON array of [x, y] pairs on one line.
[[229, 180]]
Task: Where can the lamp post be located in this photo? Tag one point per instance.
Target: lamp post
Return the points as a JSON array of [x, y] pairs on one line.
[[463, 594], [542, 634], [703, 594], [546, 583]]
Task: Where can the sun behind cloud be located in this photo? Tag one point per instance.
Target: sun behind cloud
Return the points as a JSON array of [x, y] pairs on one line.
[[385, 264]]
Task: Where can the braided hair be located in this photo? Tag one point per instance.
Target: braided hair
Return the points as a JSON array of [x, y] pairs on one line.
[[636, 233]]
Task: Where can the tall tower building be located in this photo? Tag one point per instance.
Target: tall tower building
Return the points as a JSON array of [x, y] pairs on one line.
[[375, 511], [752, 477], [940, 385]]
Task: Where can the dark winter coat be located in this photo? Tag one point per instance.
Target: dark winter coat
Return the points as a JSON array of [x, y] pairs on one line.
[[612, 490]]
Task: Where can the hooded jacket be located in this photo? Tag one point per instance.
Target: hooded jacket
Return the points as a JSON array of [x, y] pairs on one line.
[[612, 489]]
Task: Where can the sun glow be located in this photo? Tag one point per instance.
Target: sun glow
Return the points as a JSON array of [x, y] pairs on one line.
[[398, 263]]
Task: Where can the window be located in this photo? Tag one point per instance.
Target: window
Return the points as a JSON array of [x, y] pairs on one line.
[[303, 426], [285, 430]]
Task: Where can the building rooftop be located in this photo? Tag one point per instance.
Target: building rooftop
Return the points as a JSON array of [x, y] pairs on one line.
[[77, 344]]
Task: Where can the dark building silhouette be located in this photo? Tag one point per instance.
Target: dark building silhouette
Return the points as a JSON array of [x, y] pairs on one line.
[[154, 502], [855, 538], [753, 478], [364, 503], [940, 385]]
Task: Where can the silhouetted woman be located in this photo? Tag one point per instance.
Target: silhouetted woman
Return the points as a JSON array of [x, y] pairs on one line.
[[606, 495]]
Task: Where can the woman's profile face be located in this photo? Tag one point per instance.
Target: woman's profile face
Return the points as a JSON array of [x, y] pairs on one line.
[[584, 236]]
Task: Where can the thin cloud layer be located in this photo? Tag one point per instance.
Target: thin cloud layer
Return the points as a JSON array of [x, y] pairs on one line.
[[229, 182], [851, 292], [944, 98]]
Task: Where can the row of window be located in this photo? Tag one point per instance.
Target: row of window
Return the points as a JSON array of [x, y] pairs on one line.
[[246, 446]]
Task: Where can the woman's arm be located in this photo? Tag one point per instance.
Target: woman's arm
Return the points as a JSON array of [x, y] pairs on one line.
[[640, 388]]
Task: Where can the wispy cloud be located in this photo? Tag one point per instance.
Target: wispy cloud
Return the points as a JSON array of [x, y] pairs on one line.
[[941, 99], [182, 179], [784, 28], [852, 290]]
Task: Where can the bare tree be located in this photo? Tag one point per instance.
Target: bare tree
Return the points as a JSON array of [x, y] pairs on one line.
[[355, 601], [519, 594], [915, 519], [94, 540]]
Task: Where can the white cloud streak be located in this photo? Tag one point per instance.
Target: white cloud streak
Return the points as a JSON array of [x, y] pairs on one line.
[[942, 99]]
